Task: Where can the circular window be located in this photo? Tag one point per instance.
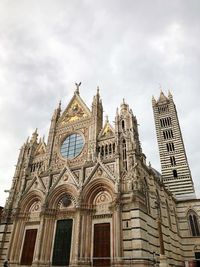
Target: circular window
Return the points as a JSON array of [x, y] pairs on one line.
[[72, 146]]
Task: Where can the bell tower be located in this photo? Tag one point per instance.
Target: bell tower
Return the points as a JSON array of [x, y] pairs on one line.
[[174, 165]]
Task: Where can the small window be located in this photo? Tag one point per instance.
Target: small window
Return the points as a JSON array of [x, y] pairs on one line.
[[124, 156], [114, 148], [123, 124], [170, 147], [175, 174], [106, 150], [102, 151], [110, 149], [173, 161]]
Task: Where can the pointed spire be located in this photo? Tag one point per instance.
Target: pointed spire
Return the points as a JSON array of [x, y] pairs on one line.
[[153, 100], [117, 112], [124, 106], [58, 110], [107, 120], [59, 105], [97, 96], [98, 91], [170, 96], [162, 97], [27, 140], [34, 136]]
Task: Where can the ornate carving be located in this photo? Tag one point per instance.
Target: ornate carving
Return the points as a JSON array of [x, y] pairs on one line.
[[135, 181], [99, 171], [66, 177], [107, 132], [75, 112], [35, 207]]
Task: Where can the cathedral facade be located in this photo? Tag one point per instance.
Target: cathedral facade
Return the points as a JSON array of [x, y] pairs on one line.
[[88, 198]]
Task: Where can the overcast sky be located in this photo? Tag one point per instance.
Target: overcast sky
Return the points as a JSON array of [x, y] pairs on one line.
[[129, 48]]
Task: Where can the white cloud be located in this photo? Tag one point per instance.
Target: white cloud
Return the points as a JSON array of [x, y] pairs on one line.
[[127, 48]]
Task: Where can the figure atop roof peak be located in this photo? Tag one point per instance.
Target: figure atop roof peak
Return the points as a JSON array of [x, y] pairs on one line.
[[77, 88]]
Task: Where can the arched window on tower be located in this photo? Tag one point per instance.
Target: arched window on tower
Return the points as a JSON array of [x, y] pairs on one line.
[[193, 223], [173, 161], [123, 124], [175, 174]]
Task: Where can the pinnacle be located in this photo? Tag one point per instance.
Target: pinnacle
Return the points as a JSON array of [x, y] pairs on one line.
[[162, 97]]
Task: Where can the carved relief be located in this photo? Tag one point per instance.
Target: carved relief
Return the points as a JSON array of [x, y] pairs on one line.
[[102, 202], [76, 175], [45, 181], [99, 171], [111, 167], [55, 177], [66, 177], [88, 171], [107, 132], [35, 207], [134, 179]]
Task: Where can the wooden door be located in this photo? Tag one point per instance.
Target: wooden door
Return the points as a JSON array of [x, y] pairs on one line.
[[28, 247], [197, 257], [101, 253], [62, 244]]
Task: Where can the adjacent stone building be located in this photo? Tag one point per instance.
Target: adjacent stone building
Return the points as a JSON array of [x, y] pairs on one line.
[[88, 198]]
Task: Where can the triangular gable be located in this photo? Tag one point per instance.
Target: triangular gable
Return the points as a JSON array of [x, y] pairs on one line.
[[100, 166], [36, 183], [107, 131], [66, 172], [76, 110], [41, 149]]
